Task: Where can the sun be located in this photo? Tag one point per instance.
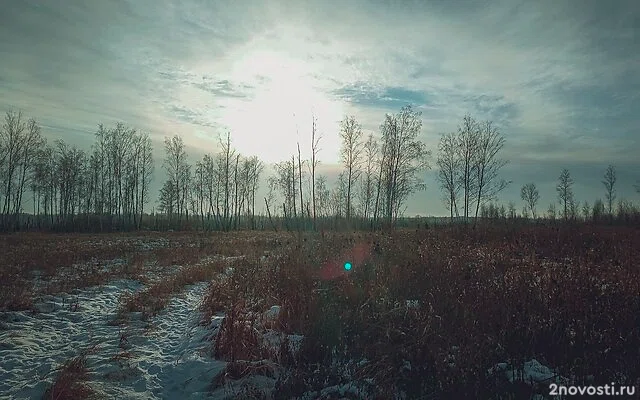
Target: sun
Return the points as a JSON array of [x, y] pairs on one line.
[[279, 114]]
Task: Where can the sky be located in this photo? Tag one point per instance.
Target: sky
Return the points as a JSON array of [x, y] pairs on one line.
[[560, 79]]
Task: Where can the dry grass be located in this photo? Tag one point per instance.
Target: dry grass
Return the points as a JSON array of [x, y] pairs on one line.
[[68, 261], [70, 383], [566, 296], [154, 298]]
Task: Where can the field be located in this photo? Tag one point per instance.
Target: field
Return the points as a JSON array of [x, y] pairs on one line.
[[492, 313]]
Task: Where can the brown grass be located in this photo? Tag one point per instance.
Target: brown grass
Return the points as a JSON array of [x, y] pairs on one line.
[[154, 298], [70, 383], [565, 295], [69, 261], [568, 296]]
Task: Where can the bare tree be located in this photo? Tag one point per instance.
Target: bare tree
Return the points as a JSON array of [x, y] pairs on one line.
[[565, 192], [487, 165], [111, 180], [20, 144], [120, 140], [315, 140], [213, 181], [32, 143], [530, 195], [598, 210], [177, 168], [255, 167], [227, 156], [609, 185], [236, 187], [69, 164], [367, 184], [300, 162], [350, 152], [403, 158], [283, 182], [467, 147], [448, 170], [145, 171], [512, 210], [586, 210], [322, 196], [199, 189], [293, 185], [574, 209], [167, 199], [337, 199], [11, 144], [551, 211], [383, 154], [45, 181]]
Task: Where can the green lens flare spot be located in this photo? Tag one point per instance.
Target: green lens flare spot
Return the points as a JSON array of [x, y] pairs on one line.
[[347, 266]]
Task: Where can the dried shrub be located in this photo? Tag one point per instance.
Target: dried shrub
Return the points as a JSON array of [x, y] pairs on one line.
[[154, 298], [70, 383]]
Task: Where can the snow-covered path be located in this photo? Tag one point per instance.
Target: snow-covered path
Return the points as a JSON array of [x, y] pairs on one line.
[[165, 357], [171, 358], [33, 345]]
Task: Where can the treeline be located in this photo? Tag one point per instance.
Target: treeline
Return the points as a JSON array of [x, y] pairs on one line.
[[219, 192], [379, 175], [107, 187], [468, 173]]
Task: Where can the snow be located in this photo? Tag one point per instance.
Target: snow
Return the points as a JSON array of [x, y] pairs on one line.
[[532, 372], [41, 342], [272, 340], [152, 244], [165, 357], [413, 303], [272, 313]]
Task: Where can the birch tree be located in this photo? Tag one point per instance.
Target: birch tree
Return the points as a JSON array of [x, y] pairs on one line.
[[609, 182], [404, 157], [315, 141], [367, 183], [565, 191], [350, 154], [530, 195], [487, 164], [175, 164], [448, 164]]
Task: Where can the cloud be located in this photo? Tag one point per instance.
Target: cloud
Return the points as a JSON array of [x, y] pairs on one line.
[[223, 88], [390, 98], [560, 79]]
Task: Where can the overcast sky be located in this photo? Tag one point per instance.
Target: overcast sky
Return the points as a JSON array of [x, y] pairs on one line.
[[561, 79]]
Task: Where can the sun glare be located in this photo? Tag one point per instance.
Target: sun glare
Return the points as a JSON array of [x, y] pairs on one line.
[[279, 114]]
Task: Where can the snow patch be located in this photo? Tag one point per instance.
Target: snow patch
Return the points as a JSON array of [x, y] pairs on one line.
[[165, 357], [272, 313], [532, 372], [42, 341]]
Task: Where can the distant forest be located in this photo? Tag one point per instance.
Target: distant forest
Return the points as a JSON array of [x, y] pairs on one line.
[[107, 188]]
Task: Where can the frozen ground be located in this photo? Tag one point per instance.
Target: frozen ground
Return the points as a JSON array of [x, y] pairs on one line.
[[165, 357]]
